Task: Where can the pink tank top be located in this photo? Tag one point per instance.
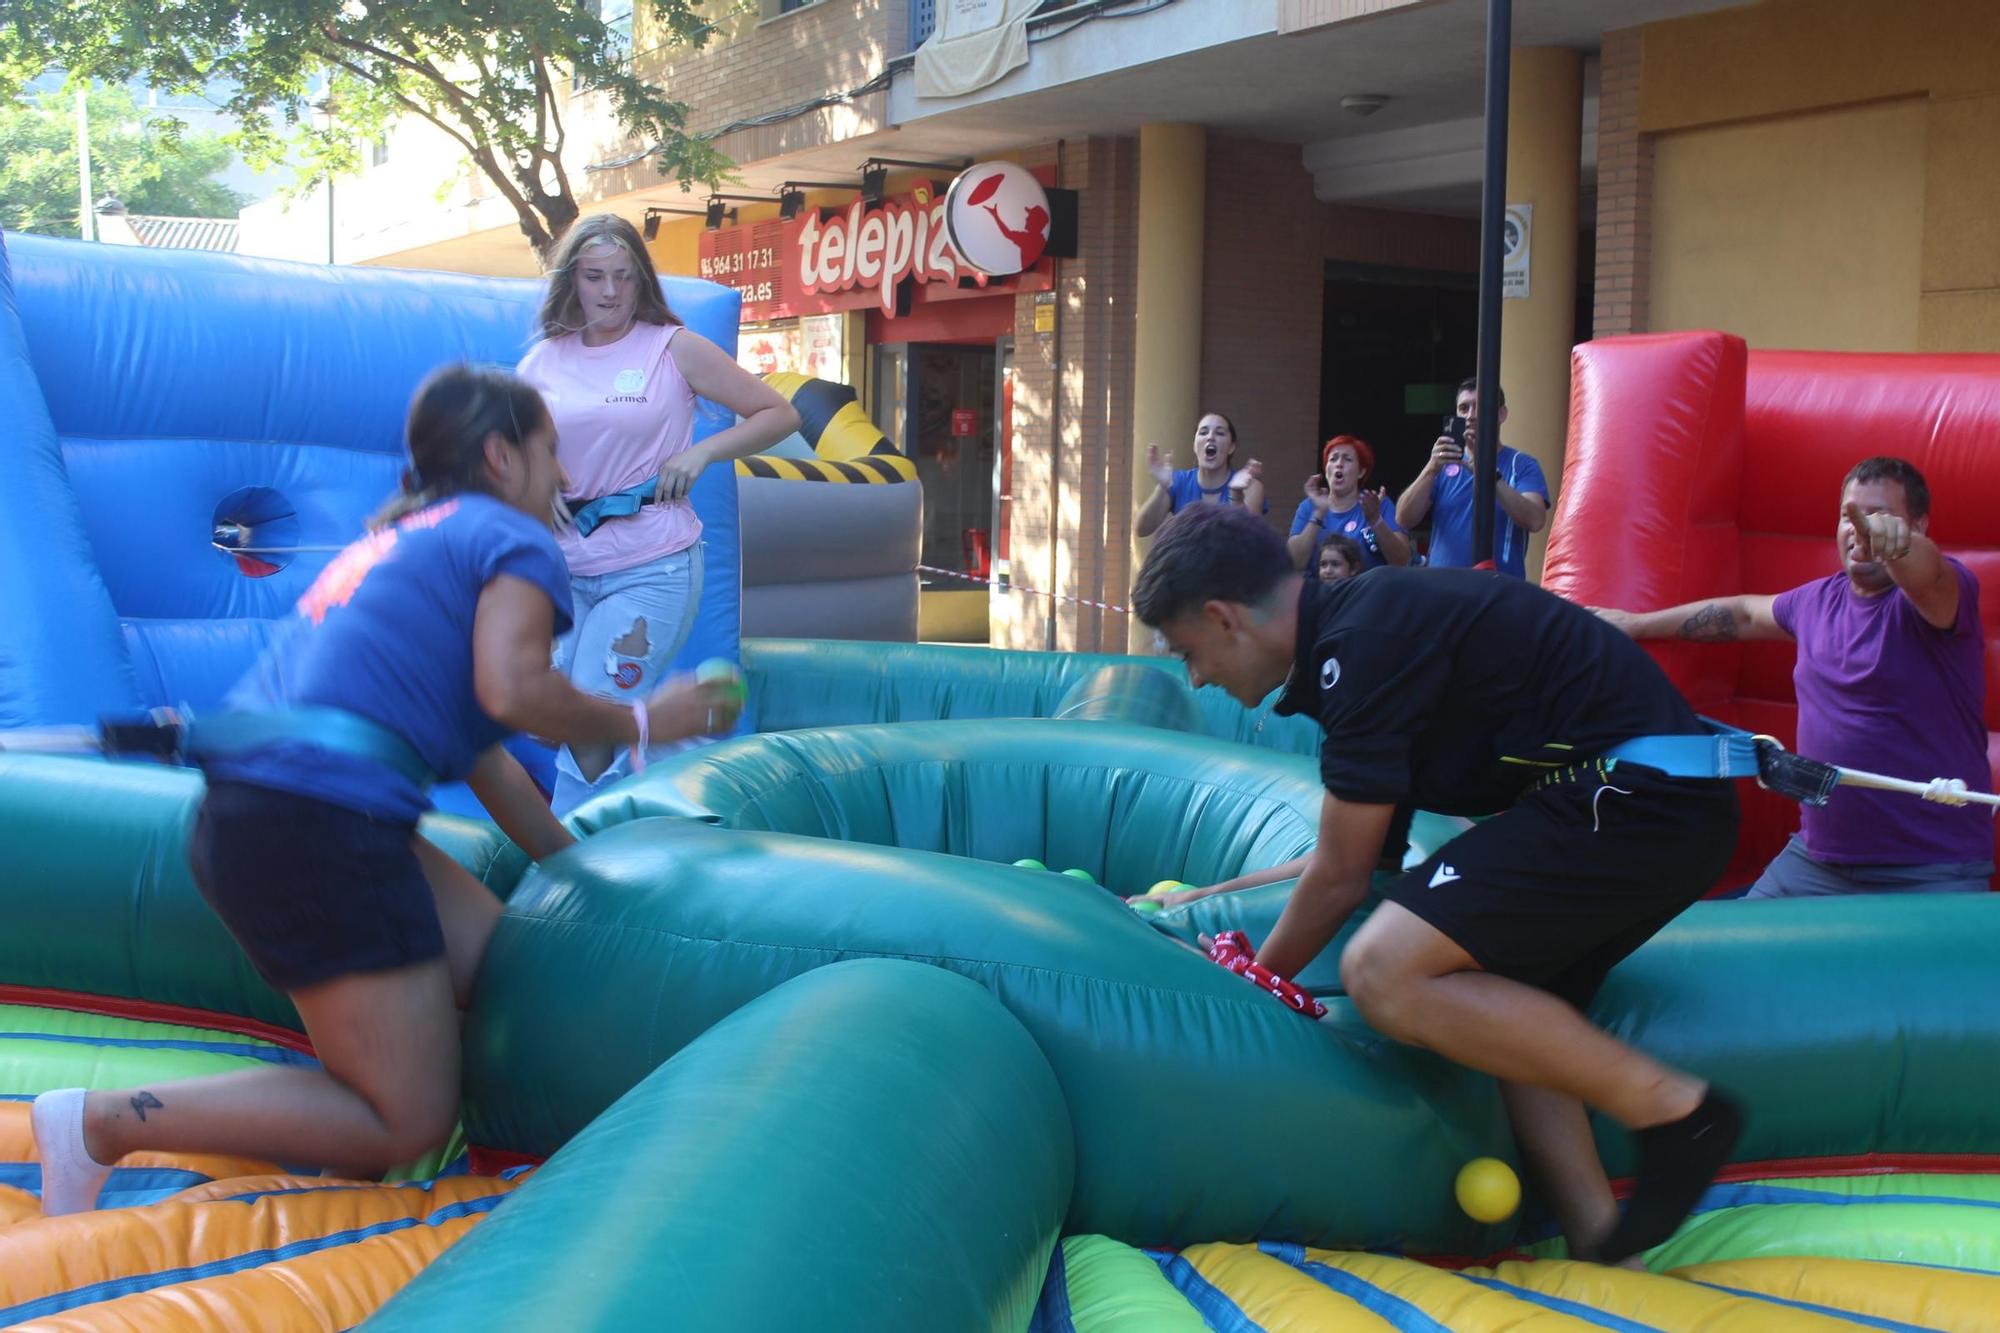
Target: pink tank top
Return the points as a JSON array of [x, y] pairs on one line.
[[620, 411]]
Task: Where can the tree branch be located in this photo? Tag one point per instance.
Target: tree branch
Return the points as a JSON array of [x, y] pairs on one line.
[[424, 70], [403, 99]]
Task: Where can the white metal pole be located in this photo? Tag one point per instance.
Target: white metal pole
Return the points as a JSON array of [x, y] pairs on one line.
[[86, 219]]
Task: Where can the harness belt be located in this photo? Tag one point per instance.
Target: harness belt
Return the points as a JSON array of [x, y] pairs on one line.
[[332, 729], [1729, 752], [591, 514], [172, 737]]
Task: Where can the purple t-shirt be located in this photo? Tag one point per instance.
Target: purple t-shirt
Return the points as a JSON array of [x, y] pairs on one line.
[[1882, 689]]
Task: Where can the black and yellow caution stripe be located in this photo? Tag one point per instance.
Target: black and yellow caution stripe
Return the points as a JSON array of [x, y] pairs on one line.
[[875, 468]]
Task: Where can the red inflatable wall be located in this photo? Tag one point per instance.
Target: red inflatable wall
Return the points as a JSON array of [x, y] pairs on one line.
[[1699, 469]]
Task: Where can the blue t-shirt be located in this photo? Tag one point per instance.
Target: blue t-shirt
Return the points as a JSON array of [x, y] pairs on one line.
[[1451, 513], [1347, 523], [1187, 489], [385, 632]]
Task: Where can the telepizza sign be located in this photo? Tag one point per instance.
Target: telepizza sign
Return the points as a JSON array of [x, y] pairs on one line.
[[853, 257]]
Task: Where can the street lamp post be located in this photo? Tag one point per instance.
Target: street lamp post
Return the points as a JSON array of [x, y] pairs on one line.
[[323, 110], [86, 216]]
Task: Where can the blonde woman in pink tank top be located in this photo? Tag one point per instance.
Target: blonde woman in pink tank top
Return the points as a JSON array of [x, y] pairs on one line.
[[620, 375]]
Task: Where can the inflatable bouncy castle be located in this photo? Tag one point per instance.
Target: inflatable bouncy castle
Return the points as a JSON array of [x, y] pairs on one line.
[[1698, 468], [832, 519], [788, 1039]]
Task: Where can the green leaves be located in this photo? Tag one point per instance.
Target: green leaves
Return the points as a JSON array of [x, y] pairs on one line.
[[314, 81], [150, 163]]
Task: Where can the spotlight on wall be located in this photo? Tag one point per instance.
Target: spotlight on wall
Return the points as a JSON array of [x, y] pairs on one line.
[[1363, 104], [875, 174], [714, 214], [791, 203]]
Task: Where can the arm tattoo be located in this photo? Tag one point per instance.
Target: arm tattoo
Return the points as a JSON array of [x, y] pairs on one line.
[[145, 1102], [1711, 624]]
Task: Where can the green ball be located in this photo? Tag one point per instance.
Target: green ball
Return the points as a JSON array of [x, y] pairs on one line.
[[717, 668], [1030, 863], [1146, 907], [1083, 875]]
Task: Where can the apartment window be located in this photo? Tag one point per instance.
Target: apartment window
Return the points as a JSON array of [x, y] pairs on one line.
[[616, 15], [378, 152], [770, 9]]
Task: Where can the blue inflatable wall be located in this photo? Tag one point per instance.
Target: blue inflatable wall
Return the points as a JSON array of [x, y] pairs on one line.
[[146, 395]]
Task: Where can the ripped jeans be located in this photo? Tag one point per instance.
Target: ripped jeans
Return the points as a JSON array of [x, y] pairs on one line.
[[630, 625]]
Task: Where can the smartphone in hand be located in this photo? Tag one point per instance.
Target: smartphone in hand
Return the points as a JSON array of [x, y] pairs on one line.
[[1454, 426]]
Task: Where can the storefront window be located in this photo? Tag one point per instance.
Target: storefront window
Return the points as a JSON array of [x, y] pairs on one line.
[[937, 401], [812, 345]]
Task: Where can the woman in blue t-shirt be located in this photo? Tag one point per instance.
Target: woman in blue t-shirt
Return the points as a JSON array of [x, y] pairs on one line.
[[1214, 478], [1335, 504], [414, 654]]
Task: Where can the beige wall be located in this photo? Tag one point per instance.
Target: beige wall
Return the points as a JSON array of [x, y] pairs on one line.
[[1748, 91], [1802, 231]]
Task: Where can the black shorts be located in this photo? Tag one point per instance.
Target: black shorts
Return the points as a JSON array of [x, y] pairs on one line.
[[1582, 870], [312, 891]]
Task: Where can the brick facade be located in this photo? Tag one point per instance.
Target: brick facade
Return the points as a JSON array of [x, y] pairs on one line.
[[1263, 275], [1071, 519], [754, 67], [1267, 244], [1624, 193]]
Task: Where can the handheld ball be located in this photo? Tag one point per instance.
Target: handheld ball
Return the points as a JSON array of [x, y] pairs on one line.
[[1146, 907], [1488, 1190], [716, 668], [1083, 875], [1030, 863]]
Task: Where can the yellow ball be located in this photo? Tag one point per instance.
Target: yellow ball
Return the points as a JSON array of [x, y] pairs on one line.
[[1488, 1190], [1166, 886]]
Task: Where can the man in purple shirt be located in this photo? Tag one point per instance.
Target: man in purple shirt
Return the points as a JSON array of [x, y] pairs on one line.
[[1891, 677]]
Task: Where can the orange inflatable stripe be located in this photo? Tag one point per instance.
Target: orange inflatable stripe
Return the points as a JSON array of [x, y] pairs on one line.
[[52, 1265], [17, 1140], [330, 1289], [17, 1206]]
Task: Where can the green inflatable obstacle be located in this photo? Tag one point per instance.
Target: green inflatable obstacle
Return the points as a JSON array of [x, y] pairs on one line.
[[1130, 804], [802, 683], [1857, 1031], [876, 1146], [1132, 692], [1202, 1106]]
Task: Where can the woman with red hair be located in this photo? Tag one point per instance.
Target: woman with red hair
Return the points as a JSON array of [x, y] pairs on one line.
[[1336, 504]]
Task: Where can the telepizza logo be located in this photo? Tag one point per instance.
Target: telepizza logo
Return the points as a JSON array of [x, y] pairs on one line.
[[998, 217], [878, 248], [627, 675]]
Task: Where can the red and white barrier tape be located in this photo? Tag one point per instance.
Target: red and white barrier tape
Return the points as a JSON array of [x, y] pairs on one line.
[[1031, 592]]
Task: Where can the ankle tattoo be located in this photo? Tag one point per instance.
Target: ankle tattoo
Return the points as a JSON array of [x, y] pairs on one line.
[[145, 1102]]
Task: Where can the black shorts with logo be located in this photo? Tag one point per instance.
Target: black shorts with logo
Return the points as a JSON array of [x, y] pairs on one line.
[[1584, 868]]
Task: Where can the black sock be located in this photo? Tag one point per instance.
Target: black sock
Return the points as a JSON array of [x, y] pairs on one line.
[[1677, 1162]]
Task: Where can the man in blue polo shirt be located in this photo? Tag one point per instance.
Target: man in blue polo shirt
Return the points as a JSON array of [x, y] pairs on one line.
[[1444, 491]]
